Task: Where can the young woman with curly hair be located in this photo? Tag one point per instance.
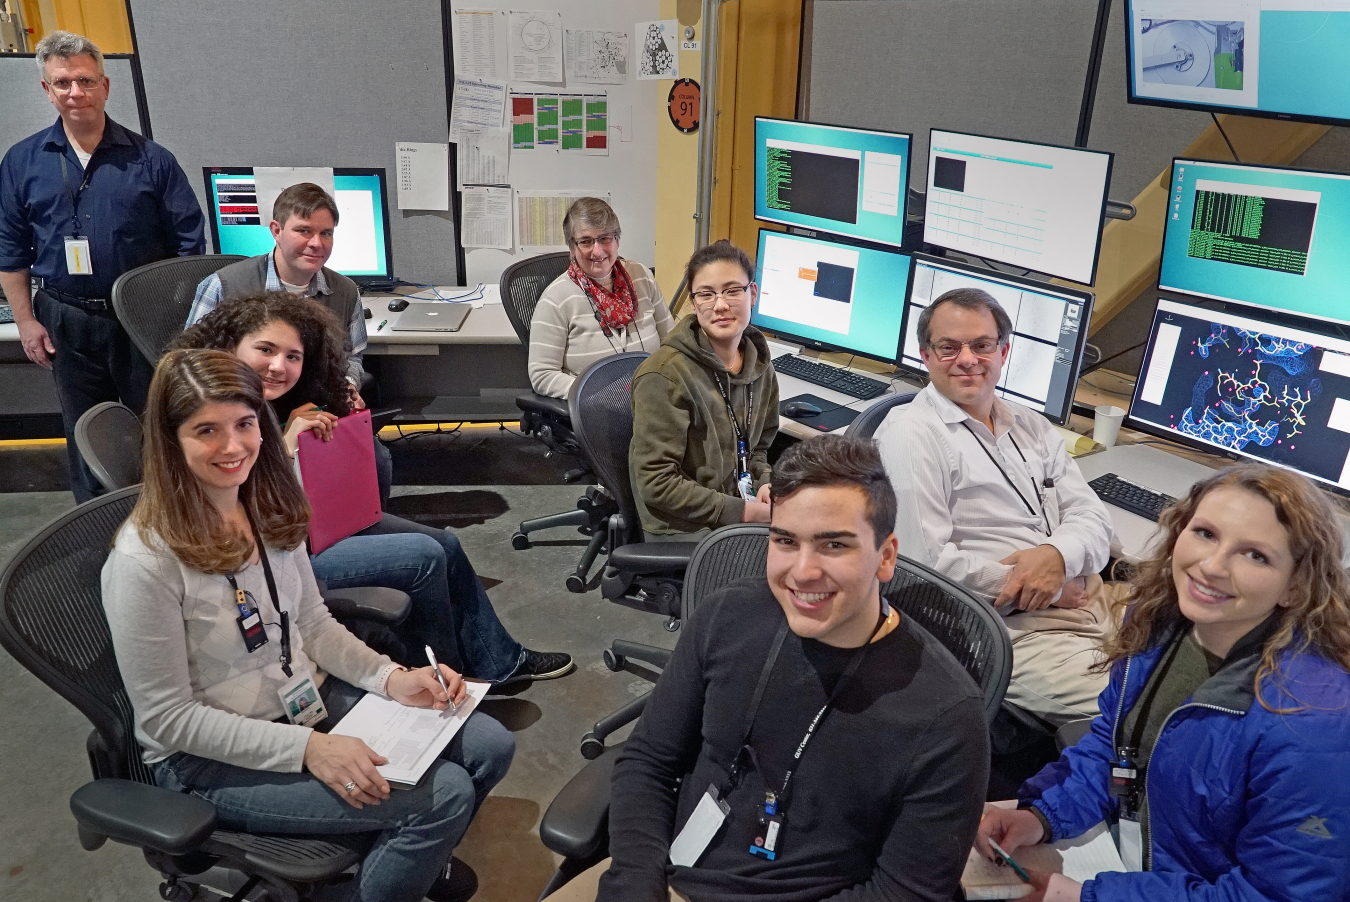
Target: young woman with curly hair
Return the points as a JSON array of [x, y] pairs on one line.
[[1226, 722], [296, 346]]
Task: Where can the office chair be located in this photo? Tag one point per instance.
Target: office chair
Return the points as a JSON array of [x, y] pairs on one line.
[[549, 420], [866, 423], [52, 622], [576, 823], [152, 302]]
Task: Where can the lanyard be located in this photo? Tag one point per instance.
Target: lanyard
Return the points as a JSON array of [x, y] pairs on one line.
[[1008, 479], [75, 195], [239, 598], [742, 435]]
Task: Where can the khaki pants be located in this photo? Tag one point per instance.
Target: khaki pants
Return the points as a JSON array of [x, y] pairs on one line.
[[1053, 649], [584, 886]]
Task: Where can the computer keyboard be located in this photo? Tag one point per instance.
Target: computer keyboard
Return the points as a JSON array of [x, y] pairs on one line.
[[6, 314], [1127, 496], [831, 377]]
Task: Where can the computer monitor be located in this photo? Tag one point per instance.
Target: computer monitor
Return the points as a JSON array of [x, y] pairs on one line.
[[1260, 235], [1277, 58], [846, 181], [361, 247], [1269, 387], [1050, 327], [828, 295], [1036, 206]]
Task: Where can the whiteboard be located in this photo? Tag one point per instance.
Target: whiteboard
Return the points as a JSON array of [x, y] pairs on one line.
[[628, 174]]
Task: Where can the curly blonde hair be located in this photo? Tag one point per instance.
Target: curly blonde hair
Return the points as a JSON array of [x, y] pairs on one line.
[[1319, 615]]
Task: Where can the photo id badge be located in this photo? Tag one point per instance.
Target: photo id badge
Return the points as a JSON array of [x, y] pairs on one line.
[[300, 698], [77, 257], [699, 830], [746, 486]]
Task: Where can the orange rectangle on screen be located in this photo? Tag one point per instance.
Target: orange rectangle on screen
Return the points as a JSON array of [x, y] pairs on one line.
[[807, 275]]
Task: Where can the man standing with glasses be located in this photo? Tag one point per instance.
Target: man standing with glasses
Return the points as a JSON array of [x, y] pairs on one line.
[[705, 409], [81, 203], [990, 498]]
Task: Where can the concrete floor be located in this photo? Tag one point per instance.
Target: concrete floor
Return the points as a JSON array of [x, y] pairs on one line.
[[42, 737]]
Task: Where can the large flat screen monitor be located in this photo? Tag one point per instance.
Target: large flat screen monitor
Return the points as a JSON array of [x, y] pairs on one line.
[[828, 295], [846, 181], [1279, 58], [1036, 206], [361, 248], [1265, 386], [1050, 326], [1276, 238]]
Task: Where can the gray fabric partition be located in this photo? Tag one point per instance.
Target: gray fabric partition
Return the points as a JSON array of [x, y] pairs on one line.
[[305, 83], [25, 109]]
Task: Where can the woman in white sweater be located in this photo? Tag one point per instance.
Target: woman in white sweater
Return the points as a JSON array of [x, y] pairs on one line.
[[230, 657], [603, 305]]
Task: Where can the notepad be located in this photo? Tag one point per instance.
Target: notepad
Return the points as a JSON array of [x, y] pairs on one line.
[[411, 738], [1080, 859]]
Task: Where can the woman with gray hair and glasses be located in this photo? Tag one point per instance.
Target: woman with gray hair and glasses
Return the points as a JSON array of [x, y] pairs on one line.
[[603, 305]]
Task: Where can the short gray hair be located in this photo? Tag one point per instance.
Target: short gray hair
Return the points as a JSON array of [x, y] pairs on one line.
[[969, 299], [589, 213], [64, 45]]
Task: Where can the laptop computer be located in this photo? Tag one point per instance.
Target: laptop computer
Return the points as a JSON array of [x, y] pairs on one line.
[[436, 316]]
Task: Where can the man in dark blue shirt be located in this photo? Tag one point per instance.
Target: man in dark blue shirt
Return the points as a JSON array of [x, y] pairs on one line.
[[81, 203]]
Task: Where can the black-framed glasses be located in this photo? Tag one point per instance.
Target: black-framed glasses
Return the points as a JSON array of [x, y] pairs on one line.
[[983, 348], [705, 298]]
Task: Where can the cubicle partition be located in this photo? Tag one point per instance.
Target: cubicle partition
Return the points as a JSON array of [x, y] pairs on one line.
[[25, 109]]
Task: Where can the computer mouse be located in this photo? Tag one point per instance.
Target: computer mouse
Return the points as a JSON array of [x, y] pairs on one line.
[[368, 313], [798, 409], [398, 304]]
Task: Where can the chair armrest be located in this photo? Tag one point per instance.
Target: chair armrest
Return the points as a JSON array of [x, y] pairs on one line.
[[142, 815], [533, 402], [576, 824], [652, 557], [369, 603], [1068, 734]]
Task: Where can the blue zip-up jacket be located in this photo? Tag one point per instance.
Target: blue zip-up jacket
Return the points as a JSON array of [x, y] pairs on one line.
[[1243, 804]]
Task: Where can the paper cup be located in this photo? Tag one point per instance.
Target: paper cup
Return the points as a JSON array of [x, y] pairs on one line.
[[1106, 425]]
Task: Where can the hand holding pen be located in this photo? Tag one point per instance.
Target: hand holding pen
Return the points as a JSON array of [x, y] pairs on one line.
[[455, 698]]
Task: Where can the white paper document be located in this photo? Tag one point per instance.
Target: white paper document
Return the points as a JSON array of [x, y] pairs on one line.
[[479, 103], [270, 181], [477, 42], [486, 220], [1078, 859], [410, 738], [423, 175], [539, 216], [536, 45], [597, 57], [657, 49], [483, 158]]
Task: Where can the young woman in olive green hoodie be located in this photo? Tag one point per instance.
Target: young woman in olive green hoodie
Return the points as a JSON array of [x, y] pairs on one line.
[[705, 408]]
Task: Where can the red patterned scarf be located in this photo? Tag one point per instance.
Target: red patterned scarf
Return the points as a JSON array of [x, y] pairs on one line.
[[618, 307]]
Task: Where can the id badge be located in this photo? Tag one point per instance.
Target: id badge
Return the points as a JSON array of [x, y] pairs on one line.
[[301, 701], [769, 827], [250, 626], [746, 486], [78, 262], [1131, 844], [700, 829]]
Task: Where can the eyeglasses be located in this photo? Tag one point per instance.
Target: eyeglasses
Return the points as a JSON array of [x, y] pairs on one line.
[[605, 241], [63, 85], [705, 298], [983, 348]]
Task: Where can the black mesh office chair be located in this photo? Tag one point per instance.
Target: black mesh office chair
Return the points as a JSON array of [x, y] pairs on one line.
[[577, 821], [52, 622], [108, 436], [153, 301], [866, 423], [549, 420]]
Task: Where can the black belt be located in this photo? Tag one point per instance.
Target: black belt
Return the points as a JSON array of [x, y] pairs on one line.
[[91, 305]]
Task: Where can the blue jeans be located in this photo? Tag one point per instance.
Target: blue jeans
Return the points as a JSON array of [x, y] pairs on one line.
[[450, 610], [418, 827]]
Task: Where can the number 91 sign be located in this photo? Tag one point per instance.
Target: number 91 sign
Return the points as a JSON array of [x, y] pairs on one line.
[[684, 105]]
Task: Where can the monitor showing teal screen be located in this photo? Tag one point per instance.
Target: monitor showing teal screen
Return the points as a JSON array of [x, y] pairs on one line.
[[361, 247], [846, 181], [1260, 235], [831, 295], [1282, 58]]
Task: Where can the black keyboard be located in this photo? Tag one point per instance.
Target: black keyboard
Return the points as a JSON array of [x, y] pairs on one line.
[[6, 314], [831, 377], [1127, 496]]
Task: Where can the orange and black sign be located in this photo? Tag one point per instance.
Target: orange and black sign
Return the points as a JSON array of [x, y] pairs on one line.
[[684, 105]]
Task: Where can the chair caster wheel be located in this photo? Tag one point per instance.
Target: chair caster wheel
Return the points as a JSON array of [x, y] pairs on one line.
[[520, 541], [614, 662], [591, 748], [576, 584], [672, 625], [175, 892]]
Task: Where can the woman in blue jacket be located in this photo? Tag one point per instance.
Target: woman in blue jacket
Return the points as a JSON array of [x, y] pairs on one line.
[[1223, 746]]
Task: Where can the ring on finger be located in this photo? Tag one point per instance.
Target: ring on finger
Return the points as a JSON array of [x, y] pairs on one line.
[[350, 786]]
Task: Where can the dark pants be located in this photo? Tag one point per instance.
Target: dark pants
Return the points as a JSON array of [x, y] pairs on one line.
[[95, 362]]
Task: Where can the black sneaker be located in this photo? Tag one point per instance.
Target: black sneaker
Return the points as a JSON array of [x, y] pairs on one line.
[[541, 665], [457, 883]]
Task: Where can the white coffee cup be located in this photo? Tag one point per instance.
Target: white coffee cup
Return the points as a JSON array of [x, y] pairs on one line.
[[1106, 424]]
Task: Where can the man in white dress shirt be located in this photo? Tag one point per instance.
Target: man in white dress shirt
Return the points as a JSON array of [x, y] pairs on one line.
[[990, 498]]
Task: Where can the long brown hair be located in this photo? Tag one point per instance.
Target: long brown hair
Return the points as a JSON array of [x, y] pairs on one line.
[[1318, 618], [173, 505]]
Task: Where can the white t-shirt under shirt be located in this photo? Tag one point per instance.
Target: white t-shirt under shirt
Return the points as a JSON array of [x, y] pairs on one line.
[[84, 157]]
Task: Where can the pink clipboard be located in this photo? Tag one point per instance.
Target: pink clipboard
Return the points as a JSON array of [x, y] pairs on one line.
[[339, 478]]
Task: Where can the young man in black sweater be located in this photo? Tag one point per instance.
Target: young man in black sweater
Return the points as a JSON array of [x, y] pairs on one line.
[[860, 770]]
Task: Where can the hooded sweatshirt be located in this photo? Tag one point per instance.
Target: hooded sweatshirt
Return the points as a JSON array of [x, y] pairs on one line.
[[682, 459]]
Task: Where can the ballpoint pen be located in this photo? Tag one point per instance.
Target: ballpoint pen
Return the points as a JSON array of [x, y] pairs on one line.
[[1017, 868], [382, 324], [436, 669]]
